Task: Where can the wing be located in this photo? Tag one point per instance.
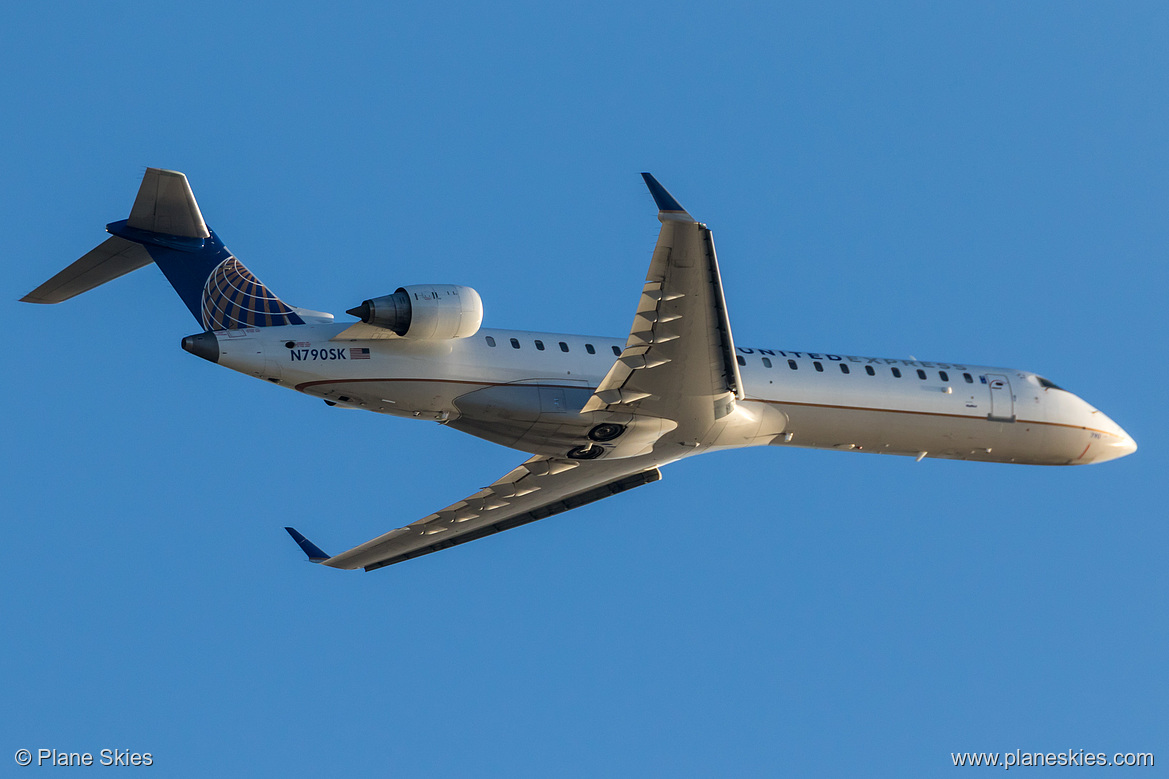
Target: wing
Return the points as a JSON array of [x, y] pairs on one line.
[[537, 489], [679, 362]]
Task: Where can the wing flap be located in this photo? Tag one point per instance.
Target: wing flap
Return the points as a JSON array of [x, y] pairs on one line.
[[540, 488], [540, 512]]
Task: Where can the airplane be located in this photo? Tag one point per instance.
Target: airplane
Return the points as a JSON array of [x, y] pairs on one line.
[[597, 415]]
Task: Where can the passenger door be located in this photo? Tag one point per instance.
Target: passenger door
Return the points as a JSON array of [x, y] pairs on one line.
[[1002, 398]]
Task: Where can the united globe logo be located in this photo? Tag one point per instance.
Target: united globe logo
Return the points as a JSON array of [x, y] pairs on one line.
[[233, 298]]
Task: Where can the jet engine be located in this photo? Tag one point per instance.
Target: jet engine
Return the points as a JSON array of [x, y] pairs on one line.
[[425, 311]]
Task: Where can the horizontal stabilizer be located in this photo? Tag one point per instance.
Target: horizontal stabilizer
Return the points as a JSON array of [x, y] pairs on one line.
[[165, 204], [113, 258], [315, 555]]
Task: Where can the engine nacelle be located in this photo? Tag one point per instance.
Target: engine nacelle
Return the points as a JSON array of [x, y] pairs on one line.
[[425, 311]]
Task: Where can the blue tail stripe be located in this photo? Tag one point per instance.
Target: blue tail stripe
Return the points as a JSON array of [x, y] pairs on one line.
[[220, 292]]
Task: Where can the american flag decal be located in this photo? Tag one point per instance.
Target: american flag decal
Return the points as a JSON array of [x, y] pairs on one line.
[[358, 354]]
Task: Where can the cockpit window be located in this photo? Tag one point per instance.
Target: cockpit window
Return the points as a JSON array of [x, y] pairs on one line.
[[1048, 384]]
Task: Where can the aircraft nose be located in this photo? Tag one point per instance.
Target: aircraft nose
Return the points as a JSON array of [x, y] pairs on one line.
[[1126, 446], [1117, 445]]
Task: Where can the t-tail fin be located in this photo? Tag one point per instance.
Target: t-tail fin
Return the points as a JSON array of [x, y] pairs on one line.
[[167, 228]]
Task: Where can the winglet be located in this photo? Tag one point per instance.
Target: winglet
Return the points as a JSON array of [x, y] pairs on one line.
[[315, 555], [669, 209]]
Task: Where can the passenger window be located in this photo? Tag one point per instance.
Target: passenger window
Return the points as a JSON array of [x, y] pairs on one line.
[[589, 348], [515, 344], [818, 365], [616, 351], [490, 341], [896, 373], [766, 362], [563, 346], [792, 364], [843, 368], [968, 377], [540, 345], [740, 360], [943, 376], [869, 370], [921, 374]]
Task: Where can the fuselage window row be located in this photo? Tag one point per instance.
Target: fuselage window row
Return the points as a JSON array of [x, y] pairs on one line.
[[515, 344], [844, 368], [792, 364]]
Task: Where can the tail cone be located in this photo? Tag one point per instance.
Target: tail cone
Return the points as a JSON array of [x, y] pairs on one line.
[[204, 345], [362, 312]]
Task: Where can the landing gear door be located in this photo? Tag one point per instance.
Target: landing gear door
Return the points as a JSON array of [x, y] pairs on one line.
[[1002, 399], [552, 400]]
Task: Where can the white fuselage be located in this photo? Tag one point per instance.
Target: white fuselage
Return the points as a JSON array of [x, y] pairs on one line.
[[527, 397]]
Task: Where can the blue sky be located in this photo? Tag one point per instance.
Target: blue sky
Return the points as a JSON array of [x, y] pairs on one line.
[[982, 184]]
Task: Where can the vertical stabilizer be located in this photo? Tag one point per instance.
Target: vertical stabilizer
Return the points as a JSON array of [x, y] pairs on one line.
[[165, 204], [167, 227]]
